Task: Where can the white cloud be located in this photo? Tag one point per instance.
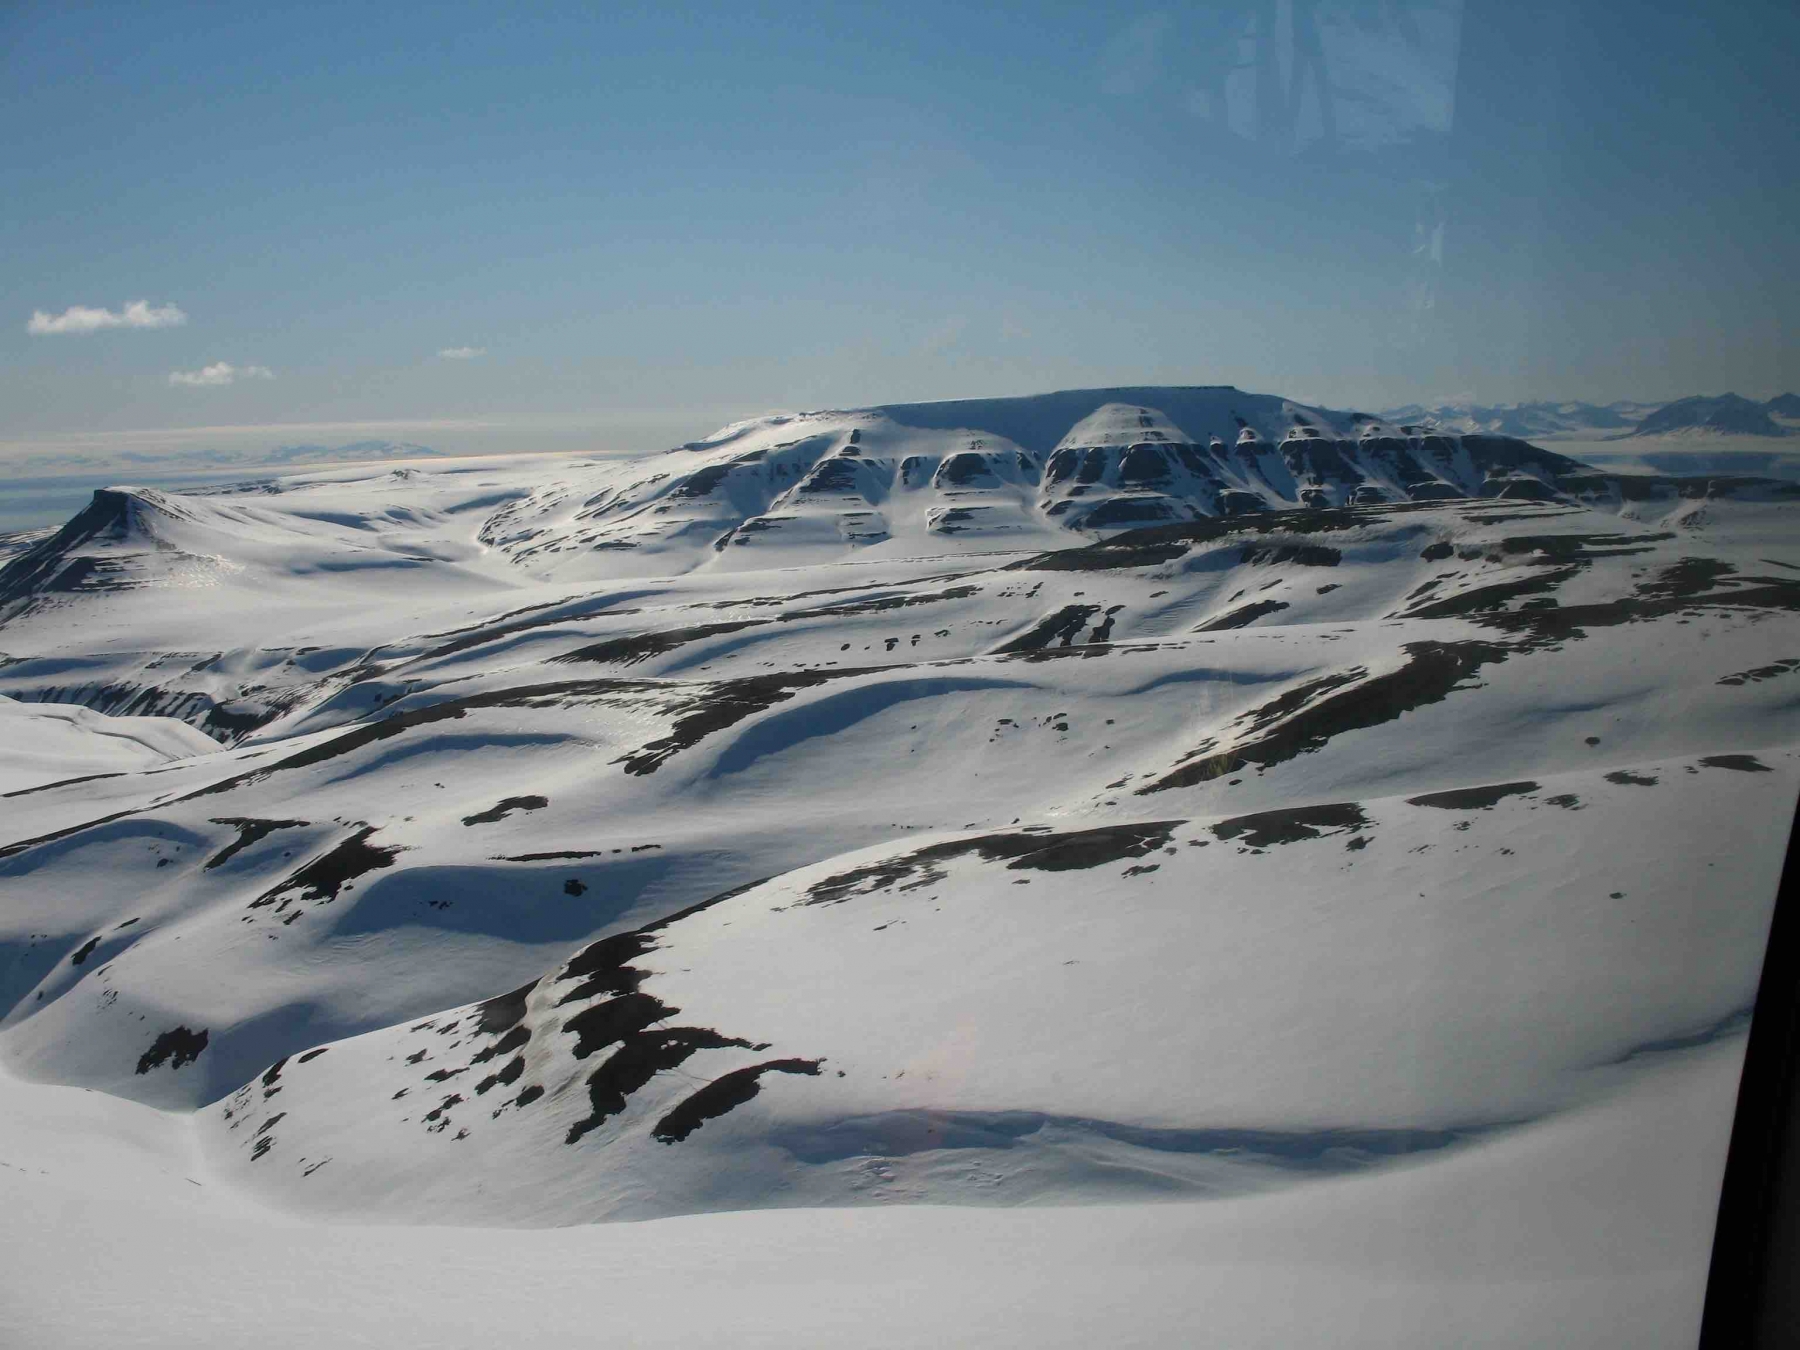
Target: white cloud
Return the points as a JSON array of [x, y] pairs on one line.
[[462, 353], [81, 319], [220, 372]]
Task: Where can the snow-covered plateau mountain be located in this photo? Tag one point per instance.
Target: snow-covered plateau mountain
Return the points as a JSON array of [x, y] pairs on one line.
[[1361, 840]]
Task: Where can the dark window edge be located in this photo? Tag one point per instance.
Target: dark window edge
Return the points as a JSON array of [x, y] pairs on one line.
[[1753, 1284]]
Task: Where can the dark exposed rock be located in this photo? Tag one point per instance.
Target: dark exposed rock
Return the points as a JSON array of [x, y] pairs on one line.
[[1306, 718], [250, 831], [723, 1094], [1473, 798], [506, 1077], [504, 1011], [625, 651], [607, 1023], [174, 1047], [502, 809], [1060, 627], [1760, 673], [1306, 555], [1742, 763], [604, 967], [1024, 850], [638, 1059], [1267, 828], [324, 877], [724, 705], [1243, 616]]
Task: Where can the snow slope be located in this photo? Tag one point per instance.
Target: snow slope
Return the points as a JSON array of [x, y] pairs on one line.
[[45, 743], [1591, 1229], [839, 813]]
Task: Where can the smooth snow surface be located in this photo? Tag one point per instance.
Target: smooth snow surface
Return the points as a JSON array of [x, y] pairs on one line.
[[45, 742], [1330, 915], [1592, 1230]]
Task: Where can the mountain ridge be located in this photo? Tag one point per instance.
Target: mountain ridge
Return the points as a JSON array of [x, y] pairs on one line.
[[1697, 415], [1023, 473]]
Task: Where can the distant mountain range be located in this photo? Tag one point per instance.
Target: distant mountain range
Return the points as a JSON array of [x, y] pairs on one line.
[[88, 460], [1689, 419], [1524, 419], [296, 454], [1725, 415]]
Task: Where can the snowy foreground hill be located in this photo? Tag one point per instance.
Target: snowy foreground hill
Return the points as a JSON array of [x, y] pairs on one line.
[[888, 849]]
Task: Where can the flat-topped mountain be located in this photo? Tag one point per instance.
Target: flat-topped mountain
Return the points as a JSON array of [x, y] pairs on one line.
[[1009, 470]]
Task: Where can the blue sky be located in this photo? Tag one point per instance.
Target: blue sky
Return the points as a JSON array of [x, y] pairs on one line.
[[650, 219]]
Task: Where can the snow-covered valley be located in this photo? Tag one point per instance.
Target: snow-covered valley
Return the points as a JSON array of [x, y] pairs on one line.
[[958, 826]]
